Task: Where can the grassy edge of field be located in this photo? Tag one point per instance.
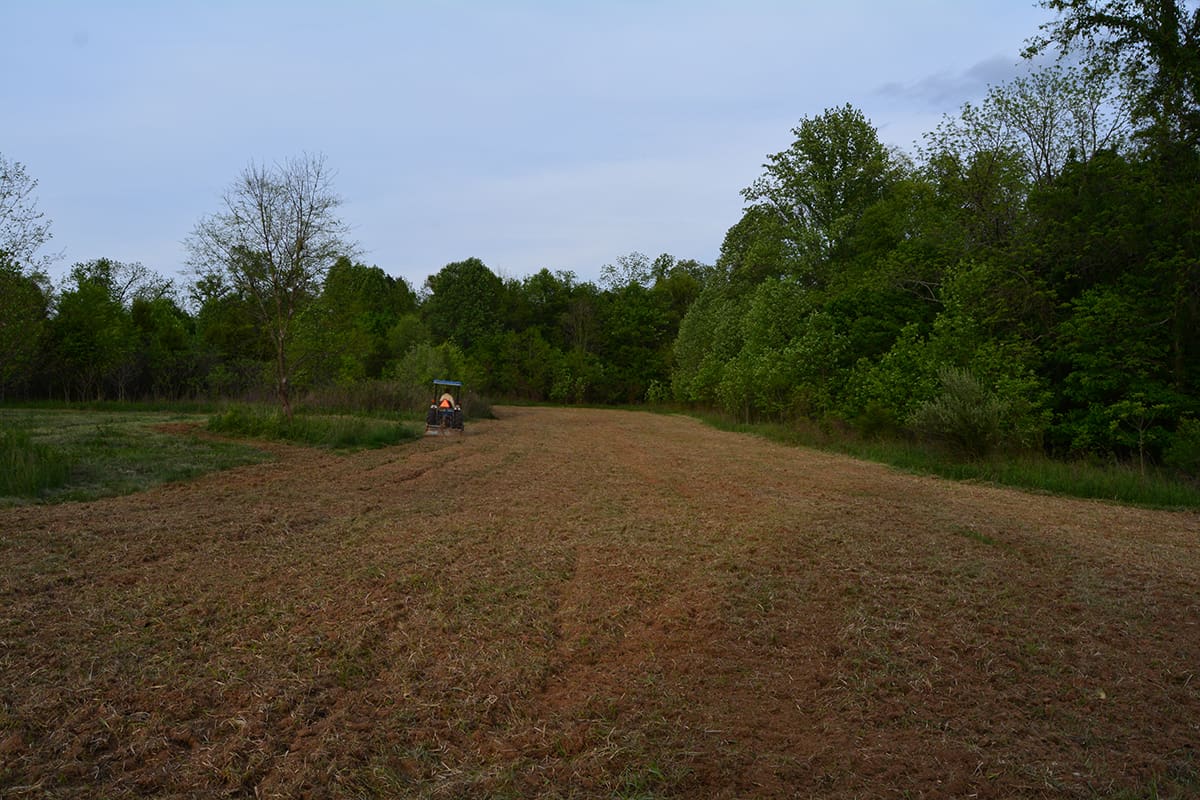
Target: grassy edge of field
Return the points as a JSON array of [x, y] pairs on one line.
[[104, 459], [52, 454], [1109, 481]]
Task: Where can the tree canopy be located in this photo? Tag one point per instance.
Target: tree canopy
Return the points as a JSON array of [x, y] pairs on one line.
[[1029, 278]]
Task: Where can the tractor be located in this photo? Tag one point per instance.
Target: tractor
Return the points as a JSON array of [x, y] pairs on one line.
[[445, 414]]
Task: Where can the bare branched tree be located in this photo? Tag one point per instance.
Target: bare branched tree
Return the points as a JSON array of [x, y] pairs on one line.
[[23, 229], [274, 240]]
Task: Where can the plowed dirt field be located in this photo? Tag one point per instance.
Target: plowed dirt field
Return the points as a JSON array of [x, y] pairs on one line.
[[583, 603]]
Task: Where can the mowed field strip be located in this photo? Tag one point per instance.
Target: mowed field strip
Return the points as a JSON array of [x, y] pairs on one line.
[[588, 603]]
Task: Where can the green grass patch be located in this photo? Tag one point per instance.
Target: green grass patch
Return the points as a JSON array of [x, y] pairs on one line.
[[29, 468], [54, 455], [971, 533], [337, 431], [1115, 482]]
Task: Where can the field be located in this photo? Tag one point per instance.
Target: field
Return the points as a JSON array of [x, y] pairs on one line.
[[583, 603]]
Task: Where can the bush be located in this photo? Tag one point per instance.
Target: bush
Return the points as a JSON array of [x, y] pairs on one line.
[[876, 421], [1183, 450], [964, 415]]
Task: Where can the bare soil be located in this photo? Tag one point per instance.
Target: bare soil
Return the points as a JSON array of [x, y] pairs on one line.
[[583, 603]]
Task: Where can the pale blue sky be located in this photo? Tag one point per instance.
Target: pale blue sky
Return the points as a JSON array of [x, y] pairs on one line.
[[528, 134]]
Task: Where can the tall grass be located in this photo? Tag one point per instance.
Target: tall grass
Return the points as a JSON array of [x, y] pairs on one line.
[[57, 454], [321, 430], [28, 468], [1104, 481]]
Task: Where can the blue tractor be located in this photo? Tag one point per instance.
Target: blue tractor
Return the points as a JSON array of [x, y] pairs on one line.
[[445, 414]]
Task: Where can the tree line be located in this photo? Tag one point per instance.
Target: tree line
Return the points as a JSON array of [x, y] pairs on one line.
[[1029, 278]]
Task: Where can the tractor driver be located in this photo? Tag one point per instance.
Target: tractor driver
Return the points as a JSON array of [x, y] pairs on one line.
[[446, 401]]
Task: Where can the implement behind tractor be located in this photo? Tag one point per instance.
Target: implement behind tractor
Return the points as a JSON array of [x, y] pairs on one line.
[[445, 413]]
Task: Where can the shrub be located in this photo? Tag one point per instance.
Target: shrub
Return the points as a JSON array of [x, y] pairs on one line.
[[1183, 450], [963, 415], [876, 421]]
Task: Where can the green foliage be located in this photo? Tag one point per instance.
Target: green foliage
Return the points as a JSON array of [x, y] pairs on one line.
[[23, 313], [93, 339], [899, 380], [273, 241], [464, 303], [1033, 282], [415, 372], [166, 353], [820, 186], [1116, 378], [406, 332], [635, 322], [710, 335], [963, 415], [348, 332], [1154, 45], [575, 375], [1183, 452]]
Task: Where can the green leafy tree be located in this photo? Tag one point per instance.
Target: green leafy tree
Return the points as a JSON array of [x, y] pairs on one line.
[[24, 287], [759, 246], [710, 336], [233, 351], [634, 344], [416, 370], [92, 340], [519, 364], [1110, 352], [124, 281], [24, 307], [166, 348], [408, 331], [634, 268], [545, 299], [343, 335], [464, 303], [581, 320], [820, 186], [1048, 118], [964, 414], [680, 283]]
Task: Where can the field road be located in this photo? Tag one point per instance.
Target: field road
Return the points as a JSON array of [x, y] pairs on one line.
[[581, 603]]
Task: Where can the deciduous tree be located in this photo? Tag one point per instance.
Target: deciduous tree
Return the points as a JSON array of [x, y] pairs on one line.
[[821, 185], [275, 237], [23, 229]]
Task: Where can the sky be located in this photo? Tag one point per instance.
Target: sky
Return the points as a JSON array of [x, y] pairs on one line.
[[529, 134]]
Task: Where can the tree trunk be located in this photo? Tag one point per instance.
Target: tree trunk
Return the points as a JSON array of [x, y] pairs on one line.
[[283, 390]]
